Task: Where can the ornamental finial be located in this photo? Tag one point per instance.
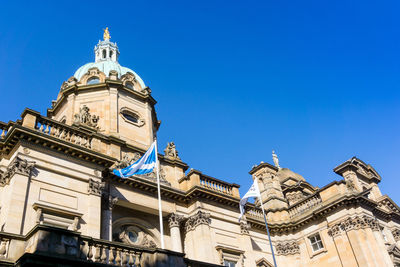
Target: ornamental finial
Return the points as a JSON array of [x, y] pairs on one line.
[[106, 35]]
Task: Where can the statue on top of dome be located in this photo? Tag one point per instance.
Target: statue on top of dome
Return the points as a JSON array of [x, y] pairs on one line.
[[106, 35], [275, 159]]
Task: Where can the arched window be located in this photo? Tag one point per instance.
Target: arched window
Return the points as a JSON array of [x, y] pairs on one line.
[[111, 53], [93, 80], [129, 85], [104, 53]]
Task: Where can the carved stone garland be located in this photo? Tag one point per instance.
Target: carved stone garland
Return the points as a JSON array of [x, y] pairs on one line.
[[287, 248], [354, 223], [199, 218], [18, 165]]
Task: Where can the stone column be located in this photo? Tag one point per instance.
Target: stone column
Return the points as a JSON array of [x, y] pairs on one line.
[[93, 223], [108, 205], [343, 247], [174, 221]]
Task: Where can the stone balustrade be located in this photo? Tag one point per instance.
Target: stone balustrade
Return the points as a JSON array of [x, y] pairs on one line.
[[216, 185], [254, 212], [112, 253], [196, 178], [3, 130], [62, 131], [304, 205]]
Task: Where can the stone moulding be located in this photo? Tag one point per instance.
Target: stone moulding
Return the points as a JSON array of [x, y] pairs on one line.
[[18, 165], [353, 223], [199, 218], [287, 248]]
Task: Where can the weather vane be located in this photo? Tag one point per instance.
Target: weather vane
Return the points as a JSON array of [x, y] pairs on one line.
[[106, 35]]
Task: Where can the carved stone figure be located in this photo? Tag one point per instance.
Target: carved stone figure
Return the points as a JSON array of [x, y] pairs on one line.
[[170, 151], [127, 159], [275, 159], [244, 228], [106, 35], [85, 118]]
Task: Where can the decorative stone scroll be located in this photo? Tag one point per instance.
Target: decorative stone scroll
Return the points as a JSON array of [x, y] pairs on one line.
[[85, 118], [396, 234], [95, 187], [354, 223], [174, 220], [199, 218], [108, 201], [18, 165], [134, 235], [244, 228], [170, 151], [287, 248]]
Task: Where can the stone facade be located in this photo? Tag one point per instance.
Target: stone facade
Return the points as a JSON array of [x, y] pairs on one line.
[[57, 189]]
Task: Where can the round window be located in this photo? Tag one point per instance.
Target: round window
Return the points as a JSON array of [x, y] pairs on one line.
[[133, 237]]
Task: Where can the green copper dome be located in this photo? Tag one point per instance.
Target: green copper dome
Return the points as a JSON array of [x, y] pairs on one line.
[[106, 59], [106, 66]]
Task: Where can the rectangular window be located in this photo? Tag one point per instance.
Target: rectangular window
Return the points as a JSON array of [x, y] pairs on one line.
[[316, 242], [229, 263]]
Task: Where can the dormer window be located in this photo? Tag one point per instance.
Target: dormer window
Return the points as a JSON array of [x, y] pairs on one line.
[[93, 80], [129, 85]]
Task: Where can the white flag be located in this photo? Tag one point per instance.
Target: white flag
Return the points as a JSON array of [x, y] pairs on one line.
[[253, 192]]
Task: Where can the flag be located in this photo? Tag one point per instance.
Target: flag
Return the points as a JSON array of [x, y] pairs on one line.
[[143, 165], [253, 192]]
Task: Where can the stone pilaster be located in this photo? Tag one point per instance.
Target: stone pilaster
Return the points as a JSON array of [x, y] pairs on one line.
[[17, 178], [108, 203], [356, 234], [198, 240], [174, 221]]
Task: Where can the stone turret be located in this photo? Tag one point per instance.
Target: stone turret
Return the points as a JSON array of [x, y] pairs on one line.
[[270, 186]]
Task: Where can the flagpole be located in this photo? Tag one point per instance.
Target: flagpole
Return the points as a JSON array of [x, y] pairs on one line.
[[269, 237], [159, 199]]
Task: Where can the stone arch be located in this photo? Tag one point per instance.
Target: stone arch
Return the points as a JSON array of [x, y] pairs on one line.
[[129, 78], [91, 73], [147, 234]]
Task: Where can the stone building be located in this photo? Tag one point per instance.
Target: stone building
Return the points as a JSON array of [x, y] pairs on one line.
[[61, 204]]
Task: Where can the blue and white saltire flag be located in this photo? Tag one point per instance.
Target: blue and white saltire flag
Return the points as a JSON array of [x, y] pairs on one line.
[[253, 192], [143, 165]]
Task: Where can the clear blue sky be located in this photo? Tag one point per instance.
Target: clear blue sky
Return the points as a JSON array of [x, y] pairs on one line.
[[318, 81]]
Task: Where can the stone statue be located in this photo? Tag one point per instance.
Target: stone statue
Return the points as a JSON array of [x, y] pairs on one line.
[[106, 35], [170, 151], [85, 118], [275, 159]]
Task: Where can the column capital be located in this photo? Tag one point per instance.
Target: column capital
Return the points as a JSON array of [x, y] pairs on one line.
[[17, 166], [197, 219], [174, 220]]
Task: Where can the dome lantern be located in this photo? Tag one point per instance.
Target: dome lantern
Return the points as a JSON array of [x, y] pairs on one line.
[[106, 50]]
